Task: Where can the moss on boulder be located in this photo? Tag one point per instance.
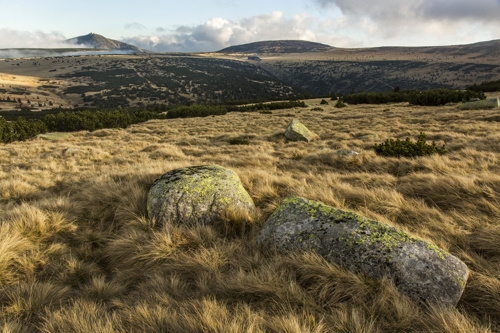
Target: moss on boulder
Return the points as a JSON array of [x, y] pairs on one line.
[[490, 103], [419, 269], [53, 136], [296, 131], [196, 195]]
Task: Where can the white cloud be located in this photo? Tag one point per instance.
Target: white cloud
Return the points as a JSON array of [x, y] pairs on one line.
[[10, 38], [218, 33], [417, 22], [135, 26]]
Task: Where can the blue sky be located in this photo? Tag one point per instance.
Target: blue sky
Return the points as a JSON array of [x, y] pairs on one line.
[[213, 24]]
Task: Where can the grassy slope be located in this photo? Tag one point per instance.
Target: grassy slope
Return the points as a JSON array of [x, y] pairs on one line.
[[78, 253]]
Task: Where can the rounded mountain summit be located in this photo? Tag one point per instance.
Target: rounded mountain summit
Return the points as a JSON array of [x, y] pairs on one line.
[[100, 42], [278, 46]]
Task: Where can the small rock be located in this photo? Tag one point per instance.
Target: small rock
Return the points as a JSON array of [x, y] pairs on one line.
[[366, 136], [347, 153], [196, 195], [69, 151], [296, 131], [419, 269]]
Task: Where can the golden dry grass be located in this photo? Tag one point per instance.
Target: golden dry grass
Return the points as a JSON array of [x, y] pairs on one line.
[[79, 254]]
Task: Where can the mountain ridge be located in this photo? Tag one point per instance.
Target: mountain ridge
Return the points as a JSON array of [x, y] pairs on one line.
[[277, 46]]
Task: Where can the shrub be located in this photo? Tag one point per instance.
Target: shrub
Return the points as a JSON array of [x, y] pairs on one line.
[[437, 97], [340, 104], [316, 109], [19, 130], [489, 86], [323, 102], [196, 111], [238, 141], [408, 148], [432, 97]]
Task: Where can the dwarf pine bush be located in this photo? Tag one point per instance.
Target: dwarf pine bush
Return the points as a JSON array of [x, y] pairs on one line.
[[408, 148]]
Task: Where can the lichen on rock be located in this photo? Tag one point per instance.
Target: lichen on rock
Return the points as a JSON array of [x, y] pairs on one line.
[[296, 131], [490, 103], [196, 195], [419, 269]]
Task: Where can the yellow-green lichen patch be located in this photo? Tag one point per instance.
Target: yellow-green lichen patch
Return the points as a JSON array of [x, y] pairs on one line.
[[419, 269], [358, 229], [296, 131], [196, 194], [461, 282]]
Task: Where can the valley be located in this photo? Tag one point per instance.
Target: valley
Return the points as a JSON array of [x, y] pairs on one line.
[[270, 70]]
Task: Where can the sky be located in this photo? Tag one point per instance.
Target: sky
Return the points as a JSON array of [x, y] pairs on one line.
[[210, 25]]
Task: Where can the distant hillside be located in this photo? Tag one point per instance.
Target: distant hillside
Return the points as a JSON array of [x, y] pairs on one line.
[[102, 43], [277, 46]]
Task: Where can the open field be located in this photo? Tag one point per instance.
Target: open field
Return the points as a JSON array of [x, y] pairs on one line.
[[112, 81], [79, 254]]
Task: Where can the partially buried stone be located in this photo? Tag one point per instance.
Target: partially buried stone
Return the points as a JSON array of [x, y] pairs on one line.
[[296, 131], [196, 195], [490, 103], [366, 136], [54, 136], [347, 153], [419, 269]]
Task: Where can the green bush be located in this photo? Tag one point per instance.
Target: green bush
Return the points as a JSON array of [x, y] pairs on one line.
[[323, 102], [340, 104], [316, 109], [196, 111], [238, 141], [489, 86], [408, 148], [432, 97], [21, 129]]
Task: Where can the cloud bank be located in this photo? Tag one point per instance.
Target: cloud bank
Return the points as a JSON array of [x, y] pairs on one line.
[[418, 21], [218, 33], [10, 38], [342, 23], [400, 11]]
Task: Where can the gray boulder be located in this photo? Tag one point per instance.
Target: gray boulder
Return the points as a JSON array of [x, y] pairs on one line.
[[366, 137], [196, 195], [419, 269], [347, 153], [490, 103], [54, 136], [296, 131]]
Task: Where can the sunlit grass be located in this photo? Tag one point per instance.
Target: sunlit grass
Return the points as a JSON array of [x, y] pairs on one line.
[[79, 253]]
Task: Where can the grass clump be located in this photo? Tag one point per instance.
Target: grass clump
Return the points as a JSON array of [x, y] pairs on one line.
[[316, 109], [408, 148], [238, 141]]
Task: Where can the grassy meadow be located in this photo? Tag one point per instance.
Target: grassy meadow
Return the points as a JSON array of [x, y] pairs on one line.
[[78, 252]]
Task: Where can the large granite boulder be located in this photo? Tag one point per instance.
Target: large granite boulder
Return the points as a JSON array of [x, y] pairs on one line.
[[419, 269], [489, 103], [196, 195], [296, 131]]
